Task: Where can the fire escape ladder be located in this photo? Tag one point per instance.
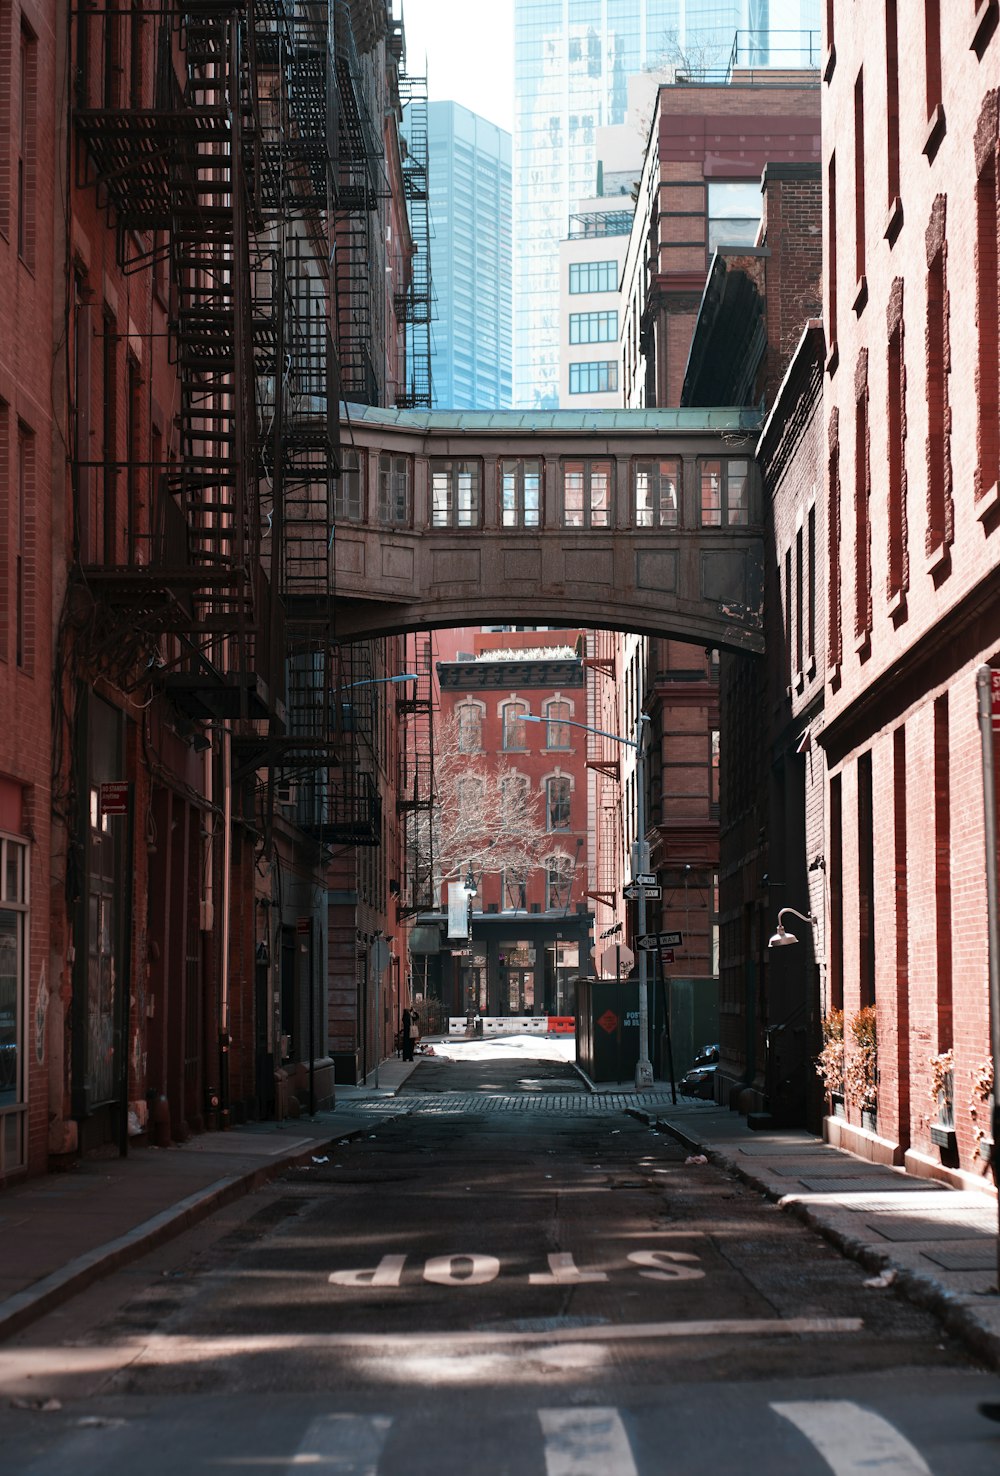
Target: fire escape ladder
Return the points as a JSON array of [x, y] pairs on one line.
[[414, 303], [416, 784], [359, 186]]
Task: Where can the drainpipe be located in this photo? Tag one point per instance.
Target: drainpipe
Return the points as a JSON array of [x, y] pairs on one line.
[[227, 853]]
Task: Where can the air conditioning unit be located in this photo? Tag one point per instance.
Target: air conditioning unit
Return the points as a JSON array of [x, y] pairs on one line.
[[286, 793]]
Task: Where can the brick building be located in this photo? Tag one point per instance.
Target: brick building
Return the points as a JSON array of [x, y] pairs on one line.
[[910, 166], [531, 928], [169, 450]]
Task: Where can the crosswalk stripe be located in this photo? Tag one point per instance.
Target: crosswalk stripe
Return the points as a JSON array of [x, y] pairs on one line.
[[342, 1444], [586, 1442], [854, 1441]]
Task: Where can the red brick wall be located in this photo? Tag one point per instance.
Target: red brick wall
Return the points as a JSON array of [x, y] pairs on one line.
[[925, 644]]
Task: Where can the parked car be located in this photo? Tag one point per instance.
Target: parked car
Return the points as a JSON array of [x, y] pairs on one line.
[[700, 1080]]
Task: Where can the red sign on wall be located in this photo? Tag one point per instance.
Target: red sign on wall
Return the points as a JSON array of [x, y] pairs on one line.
[[114, 798], [609, 1022], [995, 698]]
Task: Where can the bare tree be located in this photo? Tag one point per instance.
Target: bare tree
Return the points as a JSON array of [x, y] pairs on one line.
[[485, 817]]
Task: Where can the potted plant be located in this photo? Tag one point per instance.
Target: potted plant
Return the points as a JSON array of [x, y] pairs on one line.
[[830, 1061], [861, 1068], [980, 1105], [942, 1094]]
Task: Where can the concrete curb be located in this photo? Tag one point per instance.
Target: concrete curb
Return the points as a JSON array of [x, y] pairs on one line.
[[955, 1313], [27, 1306]]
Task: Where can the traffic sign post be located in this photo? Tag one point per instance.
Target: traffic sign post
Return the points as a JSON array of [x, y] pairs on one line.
[[652, 941], [636, 893]]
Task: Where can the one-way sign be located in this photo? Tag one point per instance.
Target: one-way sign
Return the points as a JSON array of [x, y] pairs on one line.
[[649, 942], [645, 879], [631, 893]]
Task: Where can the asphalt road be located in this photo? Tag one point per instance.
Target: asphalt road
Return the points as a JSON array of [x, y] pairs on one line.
[[525, 1290]]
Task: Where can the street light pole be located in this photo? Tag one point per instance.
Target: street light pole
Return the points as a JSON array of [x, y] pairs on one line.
[[643, 1066]]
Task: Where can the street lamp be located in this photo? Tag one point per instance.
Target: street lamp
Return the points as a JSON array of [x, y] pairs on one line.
[[643, 1066], [782, 938], [406, 676]]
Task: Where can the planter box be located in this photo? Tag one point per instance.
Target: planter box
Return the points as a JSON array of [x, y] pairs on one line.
[[943, 1136]]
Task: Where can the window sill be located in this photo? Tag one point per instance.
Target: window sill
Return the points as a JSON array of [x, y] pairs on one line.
[[863, 644], [833, 673], [798, 681], [984, 23], [832, 359], [938, 558], [936, 129], [896, 607], [860, 295], [811, 668], [988, 503], [830, 63], [894, 221]]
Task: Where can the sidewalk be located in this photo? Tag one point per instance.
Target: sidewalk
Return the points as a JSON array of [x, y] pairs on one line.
[[64, 1231], [934, 1245]]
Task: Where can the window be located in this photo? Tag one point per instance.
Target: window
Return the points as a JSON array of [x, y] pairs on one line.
[[593, 276], [811, 588], [13, 913], [470, 727], [395, 479], [988, 367], [657, 485], [859, 176], [862, 504], [133, 455], [24, 537], [593, 327], [5, 116], [521, 493], [109, 428], [348, 506], [734, 207], [514, 798], [799, 596], [940, 507], [557, 802], [26, 146], [513, 725], [932, 58], [455, 494], [892, 101], [831, 252], [725, 494], [470, 791], [557, 714], [587, 494], [594, 377], [559, 869], [833, 525], [897, 559]]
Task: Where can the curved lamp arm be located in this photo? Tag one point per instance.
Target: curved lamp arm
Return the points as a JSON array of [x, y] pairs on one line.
[[782, 938]]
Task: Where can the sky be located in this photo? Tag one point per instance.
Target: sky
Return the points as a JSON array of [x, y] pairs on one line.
[[469, 51]]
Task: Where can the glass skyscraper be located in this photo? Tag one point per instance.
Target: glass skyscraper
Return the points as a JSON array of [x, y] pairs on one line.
[[572, 59], [469, 173]]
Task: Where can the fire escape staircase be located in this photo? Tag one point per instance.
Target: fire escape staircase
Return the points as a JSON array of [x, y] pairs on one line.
[[415, 801]]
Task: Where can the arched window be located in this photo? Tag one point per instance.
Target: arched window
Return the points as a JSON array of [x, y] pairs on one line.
[[559, 869], [557, 713], [514, 797], [470, 727], [513, 725], [557, 801], [469, 793]]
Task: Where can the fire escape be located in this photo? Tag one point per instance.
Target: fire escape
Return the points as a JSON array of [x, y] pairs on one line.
[[222, 166], [414, 305], [415, 802], [171, 156], [360, 187]]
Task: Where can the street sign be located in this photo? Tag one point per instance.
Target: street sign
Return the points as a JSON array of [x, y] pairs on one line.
[[666, 955], [649, 942], [631, 893], [645, 879], [114, 798], [995, 699]]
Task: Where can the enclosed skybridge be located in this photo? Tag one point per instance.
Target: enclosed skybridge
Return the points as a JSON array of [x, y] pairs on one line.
[[641, 520]]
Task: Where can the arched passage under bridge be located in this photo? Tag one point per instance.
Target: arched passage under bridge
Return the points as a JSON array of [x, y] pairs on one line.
[[642, 520]]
